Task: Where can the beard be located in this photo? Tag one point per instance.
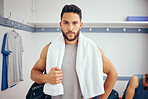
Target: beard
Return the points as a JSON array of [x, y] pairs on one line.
[[75, 37]]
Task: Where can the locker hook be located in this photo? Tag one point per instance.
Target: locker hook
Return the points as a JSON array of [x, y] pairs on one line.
[[7, 18]]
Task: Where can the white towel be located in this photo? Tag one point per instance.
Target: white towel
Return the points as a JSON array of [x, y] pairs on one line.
[[89, 67]]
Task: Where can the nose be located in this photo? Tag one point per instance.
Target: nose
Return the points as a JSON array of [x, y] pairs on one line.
[[70, 27]]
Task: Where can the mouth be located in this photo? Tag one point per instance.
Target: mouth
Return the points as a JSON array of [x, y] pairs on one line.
[[70, 33]]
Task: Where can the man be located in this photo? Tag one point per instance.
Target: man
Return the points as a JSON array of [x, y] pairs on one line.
[[71, 24], [137, 87]]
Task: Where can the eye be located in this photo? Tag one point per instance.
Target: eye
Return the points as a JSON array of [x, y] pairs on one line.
[[65, 22], [75, 22]]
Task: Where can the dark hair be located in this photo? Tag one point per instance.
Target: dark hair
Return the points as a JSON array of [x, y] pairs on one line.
[[146, 77], [71, 8]]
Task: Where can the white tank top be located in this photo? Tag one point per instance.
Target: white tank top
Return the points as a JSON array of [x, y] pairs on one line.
[[70, 79]]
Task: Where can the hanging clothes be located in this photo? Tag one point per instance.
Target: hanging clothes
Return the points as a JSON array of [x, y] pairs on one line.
[[14, 46], [14, 60], [4, 84]]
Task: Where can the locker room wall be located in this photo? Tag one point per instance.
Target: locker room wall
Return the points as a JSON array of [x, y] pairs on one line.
[[20, 12]]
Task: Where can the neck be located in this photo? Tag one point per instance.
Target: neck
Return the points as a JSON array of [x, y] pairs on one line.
[[71, 42]]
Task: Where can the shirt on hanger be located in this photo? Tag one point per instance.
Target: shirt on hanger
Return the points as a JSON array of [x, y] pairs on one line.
[[14, 60]]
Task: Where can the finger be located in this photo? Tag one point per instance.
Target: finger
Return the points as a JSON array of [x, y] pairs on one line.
[[57, 68], [59, 78], [60, 75], [58, 72], [54, 68], [60, 81]]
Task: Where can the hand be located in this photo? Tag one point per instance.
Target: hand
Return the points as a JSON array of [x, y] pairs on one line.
[[55, 76]]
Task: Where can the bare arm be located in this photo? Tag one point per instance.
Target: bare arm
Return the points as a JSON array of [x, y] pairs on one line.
[[53, 77], [112, 75], [130, 92]]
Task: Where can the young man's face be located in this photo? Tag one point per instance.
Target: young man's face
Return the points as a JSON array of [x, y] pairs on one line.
[[70, 26]]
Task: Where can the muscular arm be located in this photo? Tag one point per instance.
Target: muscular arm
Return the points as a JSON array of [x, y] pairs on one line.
[[40, 66], [130, 92], [55, 75], [112, 75]]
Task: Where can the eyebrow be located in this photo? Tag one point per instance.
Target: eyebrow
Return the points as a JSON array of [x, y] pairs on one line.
[[67, 21], [75, 21]]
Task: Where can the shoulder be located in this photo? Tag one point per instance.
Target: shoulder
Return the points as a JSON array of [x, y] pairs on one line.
[[46, 47], [134, 78], [101, 51], [44, 51], [104, 58], [134, 81]]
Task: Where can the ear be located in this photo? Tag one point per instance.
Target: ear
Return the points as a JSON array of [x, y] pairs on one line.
[[81, 24], [60, 24]]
